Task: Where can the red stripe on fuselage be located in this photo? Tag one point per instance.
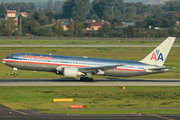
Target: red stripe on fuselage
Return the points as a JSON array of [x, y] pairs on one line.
[[15, 61], [128, 69]]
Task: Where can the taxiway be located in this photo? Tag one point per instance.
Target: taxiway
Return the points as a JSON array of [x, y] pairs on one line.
[[9, 114]]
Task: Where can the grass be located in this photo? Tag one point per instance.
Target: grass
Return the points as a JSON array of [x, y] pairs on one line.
[[80, 42], [40, 98], [109, 53]]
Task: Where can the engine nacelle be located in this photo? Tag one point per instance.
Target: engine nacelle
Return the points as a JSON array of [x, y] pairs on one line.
[[70, 72]]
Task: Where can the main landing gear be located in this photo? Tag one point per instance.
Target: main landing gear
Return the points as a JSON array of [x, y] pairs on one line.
[[86, 79], [15, 70]]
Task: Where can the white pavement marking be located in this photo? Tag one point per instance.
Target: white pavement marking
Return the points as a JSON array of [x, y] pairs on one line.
[[20, 112]]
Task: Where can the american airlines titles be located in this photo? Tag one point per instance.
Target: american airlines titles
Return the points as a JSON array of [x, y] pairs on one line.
[[154, 57], [38, 57]]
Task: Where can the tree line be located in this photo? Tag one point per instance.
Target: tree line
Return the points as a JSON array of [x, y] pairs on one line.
[[115, 11]]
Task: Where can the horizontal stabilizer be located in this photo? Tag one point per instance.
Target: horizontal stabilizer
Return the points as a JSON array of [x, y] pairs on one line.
[[160, 68]]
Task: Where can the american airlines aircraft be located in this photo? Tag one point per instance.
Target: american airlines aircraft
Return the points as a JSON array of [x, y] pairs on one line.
[[85, 67]]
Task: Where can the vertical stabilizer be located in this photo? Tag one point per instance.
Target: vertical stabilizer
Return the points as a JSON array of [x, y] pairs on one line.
[[159, 54]]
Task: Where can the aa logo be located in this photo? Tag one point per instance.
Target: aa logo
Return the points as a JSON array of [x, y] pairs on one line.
[[157, 56]]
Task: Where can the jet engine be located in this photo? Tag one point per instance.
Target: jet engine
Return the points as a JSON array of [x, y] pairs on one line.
[[70, 72]]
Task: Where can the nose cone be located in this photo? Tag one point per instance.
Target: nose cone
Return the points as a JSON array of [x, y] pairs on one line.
[[3, 61]]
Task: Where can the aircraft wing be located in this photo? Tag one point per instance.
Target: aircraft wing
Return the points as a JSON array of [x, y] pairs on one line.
[[96, 69], [157, 69]]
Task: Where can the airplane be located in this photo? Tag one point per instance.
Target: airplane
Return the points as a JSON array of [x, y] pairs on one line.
[[70, 66]]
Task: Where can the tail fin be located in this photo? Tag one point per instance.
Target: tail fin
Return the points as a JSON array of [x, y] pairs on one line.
[[159, 54]]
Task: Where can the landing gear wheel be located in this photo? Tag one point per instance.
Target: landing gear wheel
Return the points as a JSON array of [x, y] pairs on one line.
[[91, 79], [82, 78], [86, 79], [15, 74]]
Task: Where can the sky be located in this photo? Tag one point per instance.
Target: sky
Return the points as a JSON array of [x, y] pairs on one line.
[[144, 1]]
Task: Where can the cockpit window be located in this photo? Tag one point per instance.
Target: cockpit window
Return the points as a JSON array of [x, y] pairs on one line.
[[9, 57]]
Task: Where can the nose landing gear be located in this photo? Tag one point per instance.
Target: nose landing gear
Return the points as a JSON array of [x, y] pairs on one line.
[[15, 70], [15, 74]]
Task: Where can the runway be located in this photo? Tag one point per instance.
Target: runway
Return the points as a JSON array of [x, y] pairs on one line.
[[97, 82], [82, 45]]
